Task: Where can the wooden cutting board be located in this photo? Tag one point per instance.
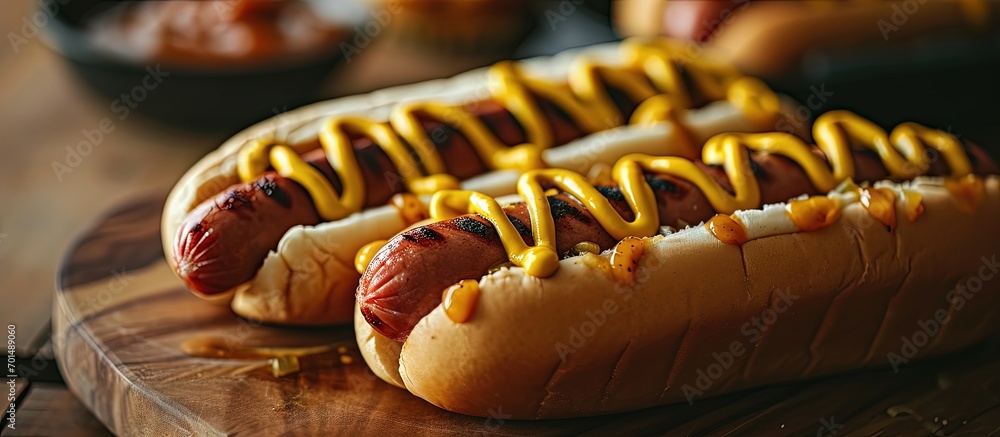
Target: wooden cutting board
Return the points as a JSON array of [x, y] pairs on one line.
[[121, 317]]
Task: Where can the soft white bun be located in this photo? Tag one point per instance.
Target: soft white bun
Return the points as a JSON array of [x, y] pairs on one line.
[[310, 279], [843, 298]]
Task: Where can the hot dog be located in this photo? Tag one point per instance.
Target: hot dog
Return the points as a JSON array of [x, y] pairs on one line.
[[274, 218], [406, 279], [253, 216], [442, 293]]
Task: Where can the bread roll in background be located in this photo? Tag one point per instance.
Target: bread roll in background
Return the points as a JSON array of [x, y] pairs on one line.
[[767, 38]]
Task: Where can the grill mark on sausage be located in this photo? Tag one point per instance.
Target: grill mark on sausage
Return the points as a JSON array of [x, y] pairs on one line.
[[505, 119], [271, 189], [238, 199], [561, 208], [660, 185], [522, 229], [441, 137], [423, 236], [369, 161], [472, 226], [459, 156], [758, 171], [612, 193], [317, 160], [697, 97], [549, 106], [562, 126], [622, 101], [867, 152]]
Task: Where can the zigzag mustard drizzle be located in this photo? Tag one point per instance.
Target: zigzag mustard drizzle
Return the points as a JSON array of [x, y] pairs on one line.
[[650, 75], [902, 152]]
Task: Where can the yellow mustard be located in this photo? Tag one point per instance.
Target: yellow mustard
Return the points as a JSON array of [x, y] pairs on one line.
[[649, 75], [837, 133]]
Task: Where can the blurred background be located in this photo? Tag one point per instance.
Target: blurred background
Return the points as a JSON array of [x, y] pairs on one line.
[[105, 101]]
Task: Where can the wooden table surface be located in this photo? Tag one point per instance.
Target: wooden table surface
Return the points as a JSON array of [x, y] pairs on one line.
[[122, 318]]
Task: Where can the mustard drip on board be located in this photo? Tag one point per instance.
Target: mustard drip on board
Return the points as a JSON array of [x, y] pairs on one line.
[[903, 153], [649, 75]]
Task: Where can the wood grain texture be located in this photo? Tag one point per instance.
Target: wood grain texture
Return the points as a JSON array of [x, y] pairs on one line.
[[121, 316], [51, 410]]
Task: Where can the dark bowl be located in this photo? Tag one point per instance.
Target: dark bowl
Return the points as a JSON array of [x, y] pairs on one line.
[[197, 98]]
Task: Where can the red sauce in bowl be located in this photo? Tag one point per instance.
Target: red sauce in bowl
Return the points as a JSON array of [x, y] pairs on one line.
[[215, 33]]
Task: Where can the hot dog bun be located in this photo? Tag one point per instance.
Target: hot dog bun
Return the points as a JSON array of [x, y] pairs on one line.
[[754, 35], [705, 317], [310, 279]]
